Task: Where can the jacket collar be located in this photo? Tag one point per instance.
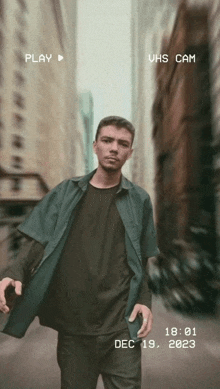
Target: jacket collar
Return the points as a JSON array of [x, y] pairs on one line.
[[83, 182]]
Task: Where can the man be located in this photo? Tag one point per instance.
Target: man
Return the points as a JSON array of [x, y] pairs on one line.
[[93, 235]]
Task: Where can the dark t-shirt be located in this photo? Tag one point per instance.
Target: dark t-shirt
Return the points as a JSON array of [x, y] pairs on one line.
[[89, 291]]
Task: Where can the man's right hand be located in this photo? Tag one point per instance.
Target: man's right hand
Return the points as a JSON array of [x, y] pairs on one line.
[[4, 284]]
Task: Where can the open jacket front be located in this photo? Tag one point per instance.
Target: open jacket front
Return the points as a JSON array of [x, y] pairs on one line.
[[49, 224]]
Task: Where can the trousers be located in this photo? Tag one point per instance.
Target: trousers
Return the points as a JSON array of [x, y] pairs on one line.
[[83, 358]]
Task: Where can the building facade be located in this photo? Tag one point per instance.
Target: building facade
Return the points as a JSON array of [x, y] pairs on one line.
[[41, 139], [149, 22], [176, 79], [185, 192]]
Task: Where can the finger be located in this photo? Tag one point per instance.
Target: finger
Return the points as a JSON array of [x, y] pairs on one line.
[[2, 297], [144, 326], [6, 282], [3, 286], [148, 328], [3, 307], [134, 313], [18, 287]]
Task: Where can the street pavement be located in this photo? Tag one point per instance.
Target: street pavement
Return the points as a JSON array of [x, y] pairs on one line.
[[169, 362]]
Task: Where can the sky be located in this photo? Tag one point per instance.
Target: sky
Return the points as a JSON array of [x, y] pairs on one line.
[[104, 55]]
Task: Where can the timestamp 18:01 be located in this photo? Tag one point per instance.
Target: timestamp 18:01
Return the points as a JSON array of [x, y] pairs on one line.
[[174, 331]]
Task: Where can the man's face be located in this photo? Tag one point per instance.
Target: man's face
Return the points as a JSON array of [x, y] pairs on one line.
[[113, 147]]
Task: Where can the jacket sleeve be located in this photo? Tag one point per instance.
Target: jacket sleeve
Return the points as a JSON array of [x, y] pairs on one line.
[[37, 228], [145, 295], [40, 224], [148, 249], [27, 260]]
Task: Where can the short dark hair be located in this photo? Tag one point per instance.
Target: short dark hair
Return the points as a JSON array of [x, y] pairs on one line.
[[118, 122]]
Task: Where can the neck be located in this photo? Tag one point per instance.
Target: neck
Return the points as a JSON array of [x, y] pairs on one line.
[[105, 179]]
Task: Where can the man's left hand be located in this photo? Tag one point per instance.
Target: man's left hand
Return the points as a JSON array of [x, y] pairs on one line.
[[147, 317]]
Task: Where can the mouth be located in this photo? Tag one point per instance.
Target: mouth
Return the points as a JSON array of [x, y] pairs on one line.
[[112, 159]]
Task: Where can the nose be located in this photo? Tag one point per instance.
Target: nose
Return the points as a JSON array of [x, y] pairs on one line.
[[114, 146]]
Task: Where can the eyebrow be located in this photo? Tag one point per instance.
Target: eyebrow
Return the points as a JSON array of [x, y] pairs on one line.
[[111, 138]]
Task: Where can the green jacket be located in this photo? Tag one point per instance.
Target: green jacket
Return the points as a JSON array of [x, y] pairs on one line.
[[49, 224]]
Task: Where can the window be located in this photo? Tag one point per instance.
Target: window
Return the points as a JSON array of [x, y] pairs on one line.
[[18, 120], [19, 79], [23, 5], [16, 184], [17, 162], [19, 100], [21, 39], [18, 141], [20, 58], [15, 210]]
